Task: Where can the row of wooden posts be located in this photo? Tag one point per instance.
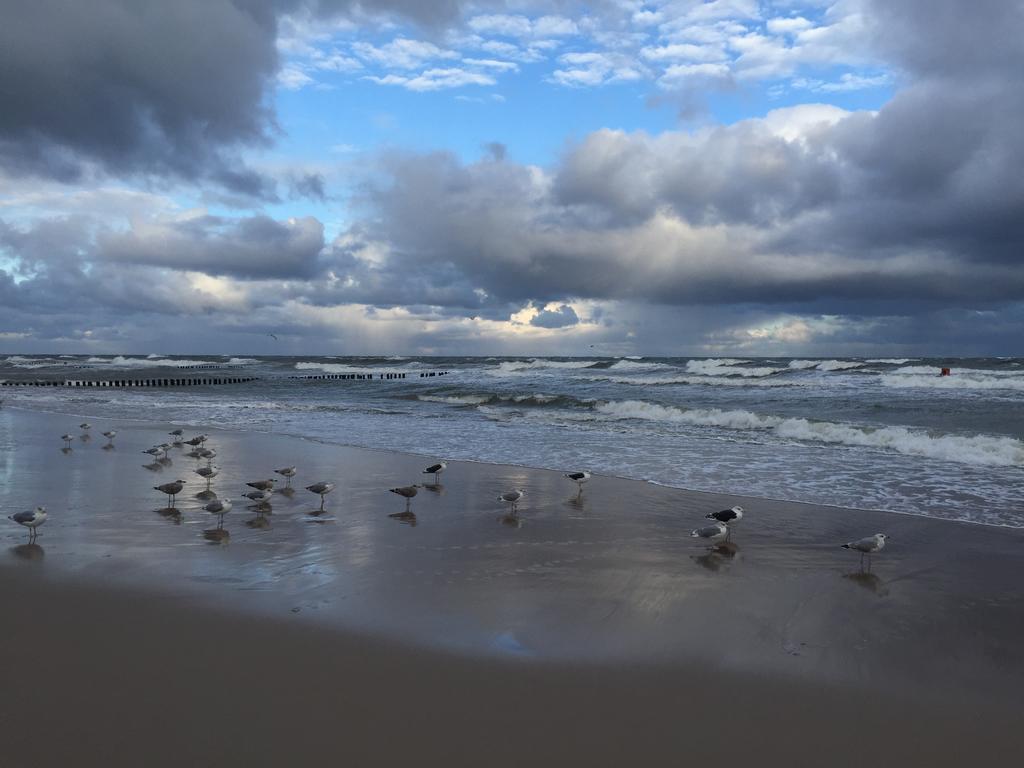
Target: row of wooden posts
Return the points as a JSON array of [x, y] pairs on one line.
[[200, 382]]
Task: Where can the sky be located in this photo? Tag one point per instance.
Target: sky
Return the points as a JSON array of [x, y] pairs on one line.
[[508, 177]]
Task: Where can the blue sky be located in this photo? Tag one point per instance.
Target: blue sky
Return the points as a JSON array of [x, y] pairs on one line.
[[476, 176]]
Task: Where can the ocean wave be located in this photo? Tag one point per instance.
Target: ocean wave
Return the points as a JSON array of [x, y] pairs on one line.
[[146, 362], [728, 367], [361, 369], [956, 381], [825, 365], [633, 365], [486, 398], [709, 381], [242, 360], [540, 364], [891, 360], [981, 450]]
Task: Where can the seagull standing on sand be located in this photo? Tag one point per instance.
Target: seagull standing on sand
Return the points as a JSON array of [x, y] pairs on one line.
[[711, 533], [259, 498], [171, 489], [579, 478], [436, 470], [219, 507], [85, 427], [176, 434], [867, 546], [67, 440], [262, 485], [157, 452], [30, 520], [208, 473], [208, 454], [321, 489], [512, 497], [728, 517], [288, 473], [110, 435], [408, 492]]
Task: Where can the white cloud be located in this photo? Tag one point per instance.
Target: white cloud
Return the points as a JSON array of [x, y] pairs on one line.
[[402, 53], [501, 66], [293, 78], [435, 79]]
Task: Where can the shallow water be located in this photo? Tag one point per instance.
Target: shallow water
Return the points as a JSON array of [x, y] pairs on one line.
[[889, 434]]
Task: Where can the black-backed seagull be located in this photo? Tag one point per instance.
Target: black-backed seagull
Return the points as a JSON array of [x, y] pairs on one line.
[[31, 520], [436, 470], [579, 478]]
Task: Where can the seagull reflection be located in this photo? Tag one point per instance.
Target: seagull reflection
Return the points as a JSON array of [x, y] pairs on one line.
[[155, 466], [407, 517], [170, 513], [435, 487], [512, 520], [30, 551], [260, 522], [718, 556], [217, 535], [868, 581]]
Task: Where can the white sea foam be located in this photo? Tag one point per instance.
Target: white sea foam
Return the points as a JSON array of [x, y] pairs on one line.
[[539, 364], [891, 360], [956, 381], [456, 399], [825, 365], [728, 367], [340, 368], [242, 360], [145, 362], [708, 381], [633, 365], [983, 450]]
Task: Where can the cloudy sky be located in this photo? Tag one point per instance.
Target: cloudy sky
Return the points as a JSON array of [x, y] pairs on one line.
[[512, 177]]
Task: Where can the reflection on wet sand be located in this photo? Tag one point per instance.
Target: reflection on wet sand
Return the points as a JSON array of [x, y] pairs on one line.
[[287, 492], [109, 447], [206, 495], [719, 555], [409, 518], [28, 551], [512, 520], [154, 467], [868, 581], [259, 523], [171, 513], [66, 450], [217, 535], [437, 488]]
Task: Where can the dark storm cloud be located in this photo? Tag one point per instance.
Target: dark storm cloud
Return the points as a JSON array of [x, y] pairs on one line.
[[255, 247]]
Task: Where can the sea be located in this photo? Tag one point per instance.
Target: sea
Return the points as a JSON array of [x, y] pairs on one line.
[[887, 434]]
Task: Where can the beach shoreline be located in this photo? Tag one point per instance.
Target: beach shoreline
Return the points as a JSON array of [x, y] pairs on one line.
[[603, 604]]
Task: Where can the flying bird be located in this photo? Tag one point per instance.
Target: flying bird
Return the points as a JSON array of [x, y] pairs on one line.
[[272, 336], [869, 545], [436, 470], [31, 520]]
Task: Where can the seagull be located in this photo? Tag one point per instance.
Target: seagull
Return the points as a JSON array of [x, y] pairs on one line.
[[321, 489], [512, 497], [727, 516], [579, 478], [867, 546], [171, 489], [436, 470], [262, 485], [157, 452], [712, 533], [176, 434], [206, 453], [195, 441], [219, 507], [207, 472], [110, 435], [408, 492], [30, 520], [261, 498], [67, 440], [288, 473], [85, 427]]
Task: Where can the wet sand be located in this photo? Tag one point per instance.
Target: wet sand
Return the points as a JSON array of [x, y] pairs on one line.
[[593, 631]]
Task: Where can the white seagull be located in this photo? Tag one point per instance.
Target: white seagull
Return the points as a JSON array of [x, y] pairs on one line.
[[262, 485], [512, 497], [727, 516], [711, 533], [867, 546], [110, 435], [67, 440], [436, 470], [30, 520], [579, 478], [288, 473], [157, 452], [321, 489], [260, 498], [408, 491], [208, 473], [219, 507], [85, 426]]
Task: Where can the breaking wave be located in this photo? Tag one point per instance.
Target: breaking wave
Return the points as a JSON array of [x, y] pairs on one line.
[[962, 380], [825, 365], [728, 367], [977, 449]]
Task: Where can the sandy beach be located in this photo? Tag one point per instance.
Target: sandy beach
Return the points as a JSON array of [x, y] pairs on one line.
[[591, 630]]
